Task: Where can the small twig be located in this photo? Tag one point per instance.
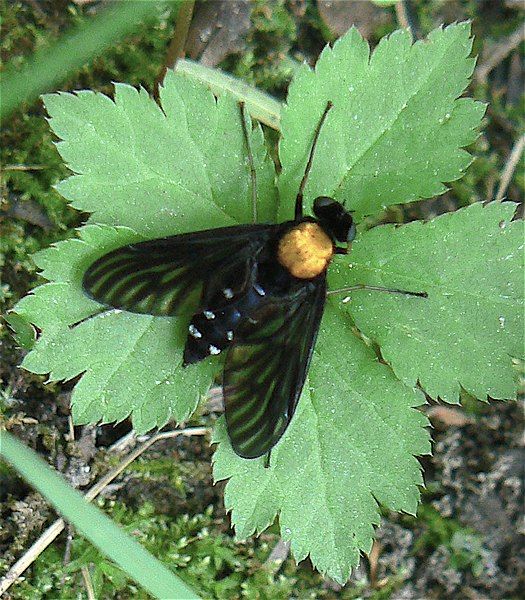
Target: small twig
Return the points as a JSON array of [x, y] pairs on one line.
[[278, 554], [51, 533], [31, 555], [510, 167], [406, 18], [71, 427], [122, 443], [373, 559], [499, 52], [88, 583], [501, 120], [178, 42], [24, 168], [165, 435], [69, 542], [67, 552], [401, 15], [450, 417]]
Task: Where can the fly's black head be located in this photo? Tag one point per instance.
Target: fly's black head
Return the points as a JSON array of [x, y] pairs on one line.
[[335, 219]]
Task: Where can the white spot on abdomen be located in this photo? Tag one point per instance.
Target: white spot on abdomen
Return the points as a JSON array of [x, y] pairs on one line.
[[209, 315], [194, 331], [213, 349]]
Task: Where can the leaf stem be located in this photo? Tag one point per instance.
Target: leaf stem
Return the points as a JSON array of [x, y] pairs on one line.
[[178, 42], [260, 105], [407, 19]]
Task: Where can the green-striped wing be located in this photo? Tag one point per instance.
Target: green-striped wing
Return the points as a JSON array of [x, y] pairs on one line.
[[265, 370], [158, 276]]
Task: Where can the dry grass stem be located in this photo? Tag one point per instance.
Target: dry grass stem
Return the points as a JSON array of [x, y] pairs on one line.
[[510, 167], [499, 52], [88, 583]]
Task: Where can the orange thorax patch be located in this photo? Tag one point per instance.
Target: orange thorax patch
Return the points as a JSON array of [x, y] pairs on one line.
[[305, 250]]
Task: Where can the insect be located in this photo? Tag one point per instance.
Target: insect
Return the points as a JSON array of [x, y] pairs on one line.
[[259, 292]]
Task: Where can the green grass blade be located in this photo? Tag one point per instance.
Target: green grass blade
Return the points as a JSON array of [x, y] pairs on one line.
[[139, 564], [261, 106], [48, 67]]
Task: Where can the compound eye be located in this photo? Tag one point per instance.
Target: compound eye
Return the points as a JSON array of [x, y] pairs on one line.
[[350, 236], [321, 203]]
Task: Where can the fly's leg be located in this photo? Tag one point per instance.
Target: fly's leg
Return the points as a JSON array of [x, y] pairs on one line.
[[267, 459], [375, 288]]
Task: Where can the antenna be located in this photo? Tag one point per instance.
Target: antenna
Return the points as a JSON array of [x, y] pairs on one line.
[[299, 198]]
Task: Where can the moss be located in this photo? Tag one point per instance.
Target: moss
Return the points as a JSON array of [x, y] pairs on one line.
[[464, 546], [265, 62], [196, 547]]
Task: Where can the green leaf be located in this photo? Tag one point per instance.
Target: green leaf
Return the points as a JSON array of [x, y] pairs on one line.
[[93, 523], [350, 445], [396, 129], [157, 171], [160, 173], [467, 331], [23, 331], [385, 3]]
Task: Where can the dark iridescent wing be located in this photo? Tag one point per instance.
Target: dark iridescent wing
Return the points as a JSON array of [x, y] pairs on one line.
[[157, 276], [266, 367]]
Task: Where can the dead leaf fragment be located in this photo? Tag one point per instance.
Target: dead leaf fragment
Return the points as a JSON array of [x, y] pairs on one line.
[[451, 417], [217, 30], [340, 15]]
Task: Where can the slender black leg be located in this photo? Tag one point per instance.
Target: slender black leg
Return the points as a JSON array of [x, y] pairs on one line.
[[250, 161], [267, 460], [299, 198], [375, 288]]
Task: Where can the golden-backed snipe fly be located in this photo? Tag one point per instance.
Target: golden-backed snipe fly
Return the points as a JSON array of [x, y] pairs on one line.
[[259, 292]]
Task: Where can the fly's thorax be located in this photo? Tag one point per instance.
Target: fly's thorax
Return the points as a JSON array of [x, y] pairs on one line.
[[305, 250]]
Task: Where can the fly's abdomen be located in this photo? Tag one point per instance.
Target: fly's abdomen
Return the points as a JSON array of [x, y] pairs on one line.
[[212, 331]]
